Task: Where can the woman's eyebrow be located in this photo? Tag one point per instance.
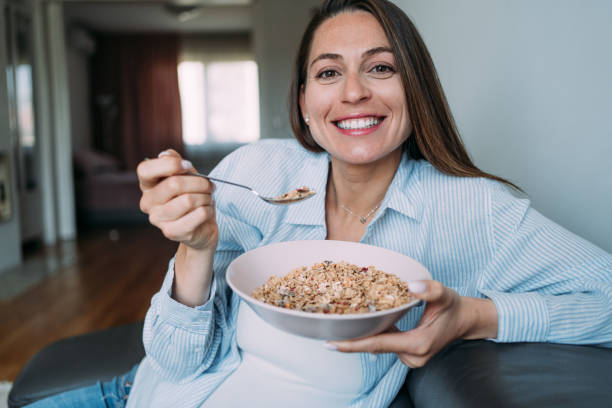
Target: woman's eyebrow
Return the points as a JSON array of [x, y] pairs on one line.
[[376, 50], [326, 55], [368, 53]]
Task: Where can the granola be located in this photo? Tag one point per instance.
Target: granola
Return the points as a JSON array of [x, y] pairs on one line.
[[340, 288], [296, 194]]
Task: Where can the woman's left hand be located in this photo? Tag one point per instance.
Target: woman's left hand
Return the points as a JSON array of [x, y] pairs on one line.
[[447, 317]]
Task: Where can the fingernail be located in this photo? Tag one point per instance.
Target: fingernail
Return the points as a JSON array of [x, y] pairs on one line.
[[330, 346], [186, 164], [164, 153], [417, 287]]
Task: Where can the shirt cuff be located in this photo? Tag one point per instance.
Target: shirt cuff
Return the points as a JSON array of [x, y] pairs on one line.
[[177, 314], [521, 316]]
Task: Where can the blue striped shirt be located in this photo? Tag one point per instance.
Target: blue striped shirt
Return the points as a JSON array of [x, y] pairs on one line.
[[474, 235]]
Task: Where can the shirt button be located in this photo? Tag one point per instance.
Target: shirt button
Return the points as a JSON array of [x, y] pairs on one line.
[[372, 357]]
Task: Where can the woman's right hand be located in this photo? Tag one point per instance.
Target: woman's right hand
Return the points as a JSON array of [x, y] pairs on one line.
[[180, 205]]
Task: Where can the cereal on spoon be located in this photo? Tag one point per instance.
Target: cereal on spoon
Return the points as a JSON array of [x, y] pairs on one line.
[[296, 194]]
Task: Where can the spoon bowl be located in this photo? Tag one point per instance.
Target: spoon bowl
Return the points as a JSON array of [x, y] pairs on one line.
[[292, 197]]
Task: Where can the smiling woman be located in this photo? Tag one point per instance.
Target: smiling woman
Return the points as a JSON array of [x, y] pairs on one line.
[[352, 94], [378, 143]]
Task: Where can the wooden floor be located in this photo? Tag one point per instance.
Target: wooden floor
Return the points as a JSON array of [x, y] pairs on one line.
[[104, 279]]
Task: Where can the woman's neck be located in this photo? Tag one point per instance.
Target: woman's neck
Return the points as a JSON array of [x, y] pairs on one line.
[[361, 187]]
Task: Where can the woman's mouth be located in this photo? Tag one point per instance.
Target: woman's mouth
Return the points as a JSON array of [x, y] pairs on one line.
[[359, 123], [359, 126]]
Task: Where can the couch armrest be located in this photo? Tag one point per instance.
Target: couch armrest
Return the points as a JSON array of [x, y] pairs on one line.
[[487, 374], [78, 361]]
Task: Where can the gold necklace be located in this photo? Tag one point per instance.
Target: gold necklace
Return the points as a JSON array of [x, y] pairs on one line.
[[363, 219]]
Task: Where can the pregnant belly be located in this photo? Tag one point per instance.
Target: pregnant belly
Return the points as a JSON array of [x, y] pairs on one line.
[[280, 369]]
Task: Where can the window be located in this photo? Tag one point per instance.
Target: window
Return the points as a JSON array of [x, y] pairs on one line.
[[219, 102]]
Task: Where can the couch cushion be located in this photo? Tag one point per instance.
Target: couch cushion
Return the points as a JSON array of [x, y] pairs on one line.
[[486, 374], [88, 161], [78, 361]]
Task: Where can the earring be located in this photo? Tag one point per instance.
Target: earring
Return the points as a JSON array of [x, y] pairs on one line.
[[307, 118]]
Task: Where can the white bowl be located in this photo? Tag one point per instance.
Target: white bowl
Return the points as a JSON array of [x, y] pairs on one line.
[[253, 268]]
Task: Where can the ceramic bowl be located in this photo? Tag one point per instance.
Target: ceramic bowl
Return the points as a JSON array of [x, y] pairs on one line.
[[253, 268]]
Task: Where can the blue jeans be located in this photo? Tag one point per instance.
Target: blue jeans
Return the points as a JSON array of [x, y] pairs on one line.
[[108, 394]]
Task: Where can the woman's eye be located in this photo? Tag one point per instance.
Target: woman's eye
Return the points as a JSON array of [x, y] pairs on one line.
[[328, 74], [382, 69]]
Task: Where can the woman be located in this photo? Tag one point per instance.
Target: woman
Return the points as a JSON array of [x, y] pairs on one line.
[[379, 145]]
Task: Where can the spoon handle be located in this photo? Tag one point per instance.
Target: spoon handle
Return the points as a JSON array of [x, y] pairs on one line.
[[193, 173]]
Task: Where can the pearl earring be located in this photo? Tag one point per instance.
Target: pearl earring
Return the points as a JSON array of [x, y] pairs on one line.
[[307, 118]]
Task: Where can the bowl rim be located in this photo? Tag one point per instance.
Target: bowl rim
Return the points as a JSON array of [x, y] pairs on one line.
[[325, 316]]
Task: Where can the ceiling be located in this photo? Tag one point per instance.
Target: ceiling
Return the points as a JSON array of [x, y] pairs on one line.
[[185, 16]]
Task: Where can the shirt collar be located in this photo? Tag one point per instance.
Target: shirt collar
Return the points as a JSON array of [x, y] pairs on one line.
[[403, 196]]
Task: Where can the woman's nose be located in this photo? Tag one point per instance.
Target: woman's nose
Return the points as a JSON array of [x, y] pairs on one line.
[[354, 89]]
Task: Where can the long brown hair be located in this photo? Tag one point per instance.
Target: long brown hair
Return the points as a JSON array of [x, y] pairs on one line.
[[435, 137]]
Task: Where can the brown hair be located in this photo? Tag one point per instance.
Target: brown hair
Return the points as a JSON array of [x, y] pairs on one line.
[[435, 137]]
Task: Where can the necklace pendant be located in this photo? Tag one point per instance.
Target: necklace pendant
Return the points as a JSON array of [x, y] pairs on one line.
[[363, 219]]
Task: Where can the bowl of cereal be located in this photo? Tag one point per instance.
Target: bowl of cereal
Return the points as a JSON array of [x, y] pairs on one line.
[[330, 290]]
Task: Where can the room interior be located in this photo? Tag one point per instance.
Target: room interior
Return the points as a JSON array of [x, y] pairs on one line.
[[67, 241], [68, 212], [73, 113]]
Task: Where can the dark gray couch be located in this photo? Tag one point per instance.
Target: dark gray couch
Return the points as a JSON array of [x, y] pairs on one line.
[[467, 374]]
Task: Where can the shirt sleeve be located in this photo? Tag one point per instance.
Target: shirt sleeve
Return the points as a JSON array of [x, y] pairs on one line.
[[548, 284], [182, 342]]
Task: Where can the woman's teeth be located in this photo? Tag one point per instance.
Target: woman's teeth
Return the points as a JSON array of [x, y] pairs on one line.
[[362, 123]]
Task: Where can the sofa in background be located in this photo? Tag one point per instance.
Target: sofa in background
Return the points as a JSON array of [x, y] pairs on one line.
[[105, 193], [470, 374], [108, 195]]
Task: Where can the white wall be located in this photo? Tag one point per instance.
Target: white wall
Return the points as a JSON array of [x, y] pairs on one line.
[[530, 85], [57, 65], [10, 238], [277, 29]]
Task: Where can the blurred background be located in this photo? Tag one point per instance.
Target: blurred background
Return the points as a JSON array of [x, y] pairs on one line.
[[90, 88]]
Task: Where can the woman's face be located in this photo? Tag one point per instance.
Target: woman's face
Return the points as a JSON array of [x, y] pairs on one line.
[[353, 97]]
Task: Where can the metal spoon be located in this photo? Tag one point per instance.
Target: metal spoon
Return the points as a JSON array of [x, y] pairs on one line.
[[294, 196]]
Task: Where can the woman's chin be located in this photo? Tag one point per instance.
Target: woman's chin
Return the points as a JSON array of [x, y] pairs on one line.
[[359, 160], [362, 155]]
